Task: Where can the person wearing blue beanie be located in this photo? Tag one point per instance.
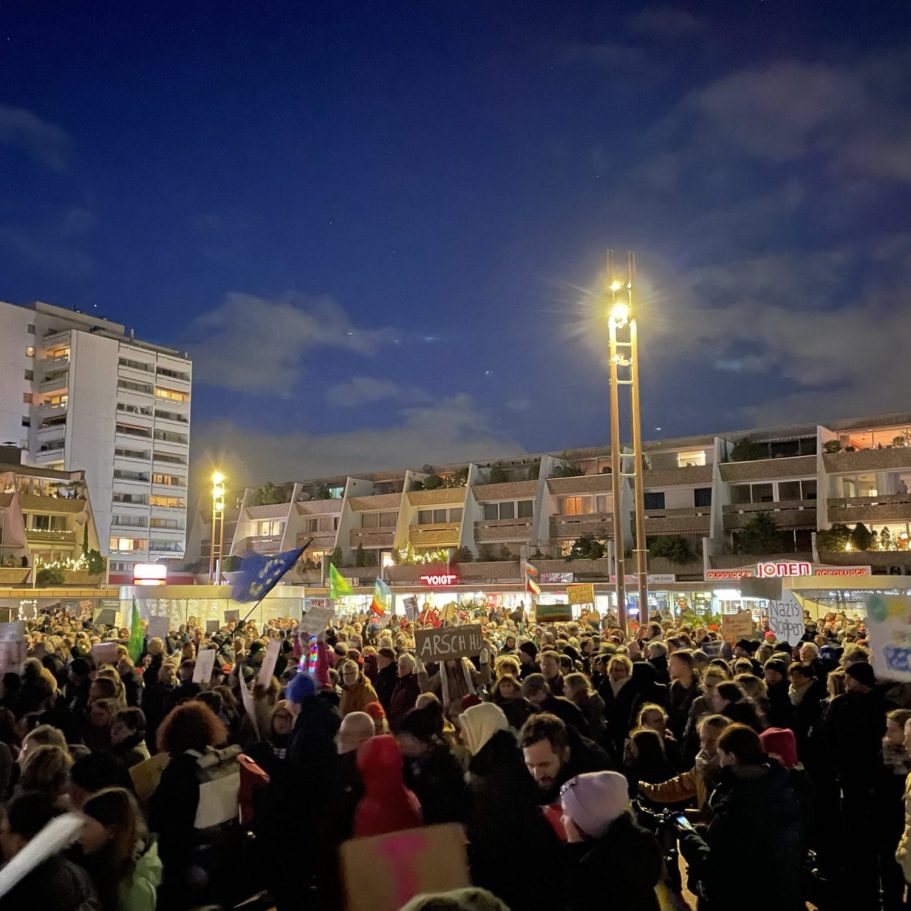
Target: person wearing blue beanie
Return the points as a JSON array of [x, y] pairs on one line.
[[300, 688]]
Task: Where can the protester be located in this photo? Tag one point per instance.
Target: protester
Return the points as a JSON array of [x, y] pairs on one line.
[[357, 691], [387, 805]]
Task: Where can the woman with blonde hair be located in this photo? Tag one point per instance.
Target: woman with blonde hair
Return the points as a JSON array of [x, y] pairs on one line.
[[47, 769]]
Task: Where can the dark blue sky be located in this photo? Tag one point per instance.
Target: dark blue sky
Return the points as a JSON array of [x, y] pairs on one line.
[[376, 226]]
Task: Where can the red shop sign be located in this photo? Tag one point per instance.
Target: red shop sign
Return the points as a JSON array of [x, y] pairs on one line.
[[440, 579]]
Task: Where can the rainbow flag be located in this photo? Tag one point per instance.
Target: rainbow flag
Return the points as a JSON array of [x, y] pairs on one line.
[[530, 584], [381, 595]]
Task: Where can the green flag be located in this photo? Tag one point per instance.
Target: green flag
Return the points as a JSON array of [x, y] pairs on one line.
[[338, 584], [134, 646]]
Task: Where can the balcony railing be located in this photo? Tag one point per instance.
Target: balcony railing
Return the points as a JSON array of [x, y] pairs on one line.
[[868, 459], [683, 520], [444, 535], [489, 530], [50, 537], [858, 509], [770, 469], [786, 513], [593, 523], [372, 537]]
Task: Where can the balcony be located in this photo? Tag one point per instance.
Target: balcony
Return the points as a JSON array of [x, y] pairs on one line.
[[850, 510], [886, 459], [260, 544], [14, 575], [683, 521], [322, 540], [492, 530], [34, 536], [443, 535], [881, 561], [594, 523], [786, 513], [30, 502], [700, 475], [510, 490], [771, 469], [591, 483], [371, 537], [377, 501]]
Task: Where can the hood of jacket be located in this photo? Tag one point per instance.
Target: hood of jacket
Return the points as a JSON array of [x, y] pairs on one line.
[[480, 723], [379, 761]]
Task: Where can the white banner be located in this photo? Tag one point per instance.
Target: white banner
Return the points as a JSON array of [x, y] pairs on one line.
[[786, 619], [889, 626]]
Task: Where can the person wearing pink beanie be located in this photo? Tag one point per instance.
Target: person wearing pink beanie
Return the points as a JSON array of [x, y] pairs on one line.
[[780, 744], [606, 847]]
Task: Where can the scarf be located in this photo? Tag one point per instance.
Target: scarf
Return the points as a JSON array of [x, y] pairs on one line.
[[796, 695]]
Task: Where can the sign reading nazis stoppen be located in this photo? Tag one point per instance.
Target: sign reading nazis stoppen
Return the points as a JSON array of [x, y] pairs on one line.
[[453, 642]]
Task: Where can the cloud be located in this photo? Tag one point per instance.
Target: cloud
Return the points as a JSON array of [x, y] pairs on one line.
[[45, 142], [258, 345], [364, 390], [665, 22], [451, 431], [54, 245]]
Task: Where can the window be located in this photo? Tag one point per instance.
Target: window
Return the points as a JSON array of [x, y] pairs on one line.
[[525, 509], [144, 388], [127, 545], [59, 351], [171, 416], [51, 445], [168, 436], [56, 401], [122, 475], [135, 365], [762, 493], [171, 459], [507, 510], [808, 490], [59, 421], [134, 499], [653, 499], [270, 528], [173, 395], [169, 480], [145, 410], [175, 374], [130, 521], [691, 459], [30, 351], [132, 454], [789, 490], [322, 524], [45, 523], [168, 502], [27, 398], [702, 497], [166, 547], [30, 328], [134, 431], [379, 519], [439, 516], [174, 524], [26, 422], [575, 506], [30, 374]]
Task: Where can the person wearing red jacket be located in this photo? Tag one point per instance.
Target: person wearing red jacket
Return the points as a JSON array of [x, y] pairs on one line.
[[387, 805]]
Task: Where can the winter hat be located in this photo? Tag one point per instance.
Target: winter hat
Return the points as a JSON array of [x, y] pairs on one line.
[[594, 800], [470, 700], [781, 742], [776, 664], [747, 645], [421, 724], [470, 899], [479, 723], [862, 673], [300, 688], [530, 649], [375, 710]]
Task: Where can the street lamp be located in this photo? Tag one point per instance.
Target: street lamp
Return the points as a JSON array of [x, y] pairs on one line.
[[218, 527], [621, 316]]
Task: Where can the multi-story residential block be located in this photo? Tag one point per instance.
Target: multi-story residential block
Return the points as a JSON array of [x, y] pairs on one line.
[[79, 392]]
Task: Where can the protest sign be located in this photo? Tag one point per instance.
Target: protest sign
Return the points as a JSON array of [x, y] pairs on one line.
[[246, 698], [786, 619], [384, 872], [106, 616], [737, 626], [53, 838], [105, 653], [411, 608], [889, 626], [270, 659], [446, 643], [212, 626], [158, 626], [581, 594], [232, 616], [13, 649], [205, 664], [147, 774], [553, 613], [319, 613]]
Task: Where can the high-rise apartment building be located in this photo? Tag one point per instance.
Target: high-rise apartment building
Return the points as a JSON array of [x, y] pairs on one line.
[[78, 392]]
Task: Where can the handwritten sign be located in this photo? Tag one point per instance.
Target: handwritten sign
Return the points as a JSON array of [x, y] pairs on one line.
[[105, 653], [889, 626], [232, 616], [318, 616], [270, 659], [205, 664], [158, 627], [581, 594], [13, 650], [385, 872], [411, 607], [737, 626], [450, 642], [786, 619]]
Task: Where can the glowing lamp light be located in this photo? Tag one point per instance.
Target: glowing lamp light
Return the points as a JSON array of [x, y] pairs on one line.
[[619, 314], [616, 285], [150, 574], [218, 478]]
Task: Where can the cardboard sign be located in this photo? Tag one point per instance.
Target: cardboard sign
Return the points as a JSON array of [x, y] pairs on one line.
[[889, 627], [105, 653], [267, 669], [232, 616], [158, 626], [452, 642], [13, 648], [212, 626], [581, 594], [107, 616], [385, 872], [553, 613], [54, 837], [205, 664], [246, 698], [318, 616], [737, 626], [411, 608], [147, 774], [786, 619]]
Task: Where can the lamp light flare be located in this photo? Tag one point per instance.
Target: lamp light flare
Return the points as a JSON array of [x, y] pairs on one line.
[[619, 314], [218, 478]]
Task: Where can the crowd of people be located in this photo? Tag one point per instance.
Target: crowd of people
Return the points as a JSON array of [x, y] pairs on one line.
[[581, 762]]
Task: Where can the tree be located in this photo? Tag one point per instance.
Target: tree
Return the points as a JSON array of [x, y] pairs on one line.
[[462, 555], [269, 494], [566, 471], [433, 482], [835, 538], [674, 548], [747, 451], [51, 575], [586, 547], [336, 557], [360, 556], [94, 562], [459, 478], [861, 537], [760, 536], [498, 475]]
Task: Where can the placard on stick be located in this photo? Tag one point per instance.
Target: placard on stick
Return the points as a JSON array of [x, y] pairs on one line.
[[737, 626], [385, 872], [158, 626], [270, 659], [786, 619], [447, 643], [205, 664]]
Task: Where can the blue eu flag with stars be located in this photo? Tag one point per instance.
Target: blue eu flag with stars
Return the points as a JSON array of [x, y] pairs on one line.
[[260, 573]]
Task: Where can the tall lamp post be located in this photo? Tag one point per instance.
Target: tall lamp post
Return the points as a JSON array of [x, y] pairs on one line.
[[218, 527], [624, 371]]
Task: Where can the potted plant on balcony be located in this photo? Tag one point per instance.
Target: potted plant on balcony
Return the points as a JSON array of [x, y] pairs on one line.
[[674, 548], [832, 446]]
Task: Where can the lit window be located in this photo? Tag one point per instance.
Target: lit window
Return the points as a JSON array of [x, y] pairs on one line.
[[30, 351], [691, 459]]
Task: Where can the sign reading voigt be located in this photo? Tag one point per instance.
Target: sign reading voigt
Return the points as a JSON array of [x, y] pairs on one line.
[[451, 642]]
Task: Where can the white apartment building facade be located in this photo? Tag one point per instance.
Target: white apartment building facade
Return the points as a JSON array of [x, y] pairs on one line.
[[78, 392]]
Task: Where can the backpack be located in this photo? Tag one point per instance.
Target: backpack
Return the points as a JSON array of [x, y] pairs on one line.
[[218, 772]]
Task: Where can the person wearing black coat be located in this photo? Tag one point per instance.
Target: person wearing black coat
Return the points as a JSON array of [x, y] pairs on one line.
[[387, 676], [755, 813], [805, 695], [536, 690], [613, 864], [619, 693], [780, 712], [646, 688]]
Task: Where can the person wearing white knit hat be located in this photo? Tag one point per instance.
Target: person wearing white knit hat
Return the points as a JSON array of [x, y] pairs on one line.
[[479, 723], [606, 847]]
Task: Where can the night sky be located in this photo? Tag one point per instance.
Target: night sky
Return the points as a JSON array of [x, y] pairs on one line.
[[379, 227]]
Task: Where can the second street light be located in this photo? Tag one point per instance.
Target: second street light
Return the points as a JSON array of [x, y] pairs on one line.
[[624, 371], [216, 545]]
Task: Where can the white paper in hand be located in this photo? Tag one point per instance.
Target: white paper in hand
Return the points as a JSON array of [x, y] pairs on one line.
[[205, 664]]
